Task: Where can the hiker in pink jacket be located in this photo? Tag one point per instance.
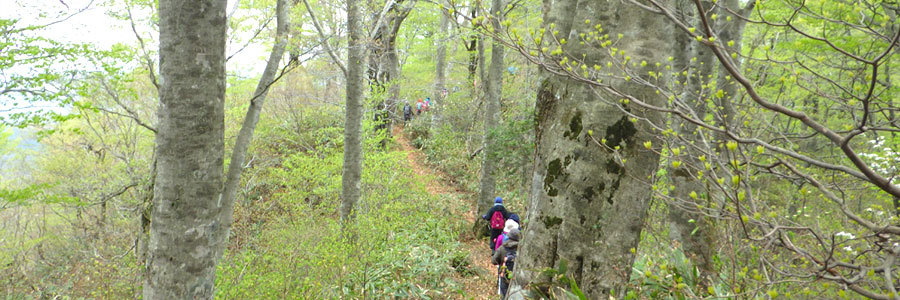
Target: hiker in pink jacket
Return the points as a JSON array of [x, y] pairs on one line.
[[510, 225]]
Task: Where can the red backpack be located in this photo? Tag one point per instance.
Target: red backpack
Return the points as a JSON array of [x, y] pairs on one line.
[[497, 221]]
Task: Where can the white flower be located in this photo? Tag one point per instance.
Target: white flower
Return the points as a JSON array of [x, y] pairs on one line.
[[849, 250]]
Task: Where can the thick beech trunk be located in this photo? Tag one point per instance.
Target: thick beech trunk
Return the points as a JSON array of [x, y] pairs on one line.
[[184, 232], [588, 202]]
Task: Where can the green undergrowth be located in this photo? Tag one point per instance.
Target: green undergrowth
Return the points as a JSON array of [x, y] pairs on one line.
[[289, 243]]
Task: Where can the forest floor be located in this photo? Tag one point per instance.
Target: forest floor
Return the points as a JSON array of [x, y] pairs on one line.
[[483, 285]]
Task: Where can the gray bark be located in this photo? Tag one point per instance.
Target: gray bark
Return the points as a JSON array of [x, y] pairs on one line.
[[493, 87], [731, 31], [352, 169], [482, 75], [183, 247], [478, 92], [440, 72], [588, 203], [242, 143], [384, 63], [688, 227]]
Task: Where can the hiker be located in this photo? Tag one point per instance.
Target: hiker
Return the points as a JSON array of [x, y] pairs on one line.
[[505, 258], [496, 216], [407, 112], [427, 103], [515, 217], [510, 225], [419, 107]]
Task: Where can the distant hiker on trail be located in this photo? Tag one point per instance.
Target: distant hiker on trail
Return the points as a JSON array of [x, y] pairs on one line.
[[505, 257], [407, 112], [419, 105], [427, 103], [510, 225], [497, 216]]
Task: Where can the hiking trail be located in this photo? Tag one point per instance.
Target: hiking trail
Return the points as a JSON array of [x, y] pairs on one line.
[[483, 285]]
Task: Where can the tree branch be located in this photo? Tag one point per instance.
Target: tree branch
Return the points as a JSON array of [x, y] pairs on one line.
[[324, 39]]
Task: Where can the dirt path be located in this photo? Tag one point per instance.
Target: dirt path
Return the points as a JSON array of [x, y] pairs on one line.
[[483, 285]]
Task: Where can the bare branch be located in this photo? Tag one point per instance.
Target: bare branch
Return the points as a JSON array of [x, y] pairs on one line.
[[324, 40], [146, 54]]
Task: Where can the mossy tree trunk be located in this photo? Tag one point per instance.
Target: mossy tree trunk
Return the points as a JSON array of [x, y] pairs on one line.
[[589, 194]]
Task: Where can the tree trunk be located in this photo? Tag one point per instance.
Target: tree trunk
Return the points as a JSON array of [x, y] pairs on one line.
[[352, 169], [472, 48], [892, 115], [687, 226], [440, 72], [493, 87], [731, 31], [183, 246], [478, 93], [588, 202], [242, 143], [478, 89], [384, 65]]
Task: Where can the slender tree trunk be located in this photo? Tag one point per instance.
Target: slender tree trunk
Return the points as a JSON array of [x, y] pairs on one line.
[[479, 89], [190, 143], [440, 72], [726, 112], [392, 64], [687, 226], [892, 115], [242, 143], [731, 31], [493, 88], [476, 67], [352, 170], [588, 203], [472, 48], [141, 247]]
